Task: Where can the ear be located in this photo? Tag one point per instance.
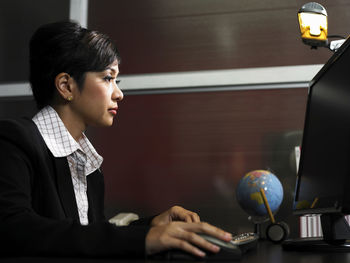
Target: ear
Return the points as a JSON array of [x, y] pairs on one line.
[[65, 85]]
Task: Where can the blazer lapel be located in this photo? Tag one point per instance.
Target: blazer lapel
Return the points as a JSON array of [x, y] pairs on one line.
[[65, 188]]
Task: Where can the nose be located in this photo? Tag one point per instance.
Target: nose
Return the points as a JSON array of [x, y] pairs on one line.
[[117, 93]]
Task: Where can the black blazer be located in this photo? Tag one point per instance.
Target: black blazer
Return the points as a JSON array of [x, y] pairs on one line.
[[38, 211]]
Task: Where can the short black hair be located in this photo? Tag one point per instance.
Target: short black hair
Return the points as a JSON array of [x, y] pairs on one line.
[[66, 47]]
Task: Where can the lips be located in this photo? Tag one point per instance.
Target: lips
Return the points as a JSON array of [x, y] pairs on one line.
[[113, 110]]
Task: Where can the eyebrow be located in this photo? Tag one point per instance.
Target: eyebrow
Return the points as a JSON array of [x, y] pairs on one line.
[[112, 69]]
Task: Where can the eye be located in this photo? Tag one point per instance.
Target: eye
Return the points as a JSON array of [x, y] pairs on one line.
[[108, 78]]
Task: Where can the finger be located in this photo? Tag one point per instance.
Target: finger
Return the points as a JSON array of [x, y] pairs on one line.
[[191, 237], [190, 218], [208, 229], [195, 218], [186, 246], [185, 215], [201, 242], [198, 242]]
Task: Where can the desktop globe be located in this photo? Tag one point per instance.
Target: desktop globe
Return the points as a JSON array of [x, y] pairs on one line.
[[249, 197]]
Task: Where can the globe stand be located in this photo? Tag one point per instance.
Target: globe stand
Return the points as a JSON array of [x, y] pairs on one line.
[[276, 231], [257, 229]]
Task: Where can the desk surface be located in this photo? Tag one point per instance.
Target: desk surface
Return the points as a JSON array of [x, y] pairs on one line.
[[266, 252]]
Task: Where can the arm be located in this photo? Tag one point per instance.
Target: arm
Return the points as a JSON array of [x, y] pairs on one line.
[[26, 232]]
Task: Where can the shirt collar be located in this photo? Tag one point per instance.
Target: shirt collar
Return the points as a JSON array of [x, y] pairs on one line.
[[60, 142]]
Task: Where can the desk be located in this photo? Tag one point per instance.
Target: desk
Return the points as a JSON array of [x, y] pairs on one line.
[[271, 253], [266, 252]]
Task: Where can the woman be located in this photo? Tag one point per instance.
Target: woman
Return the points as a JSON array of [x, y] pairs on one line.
[[51, 186]]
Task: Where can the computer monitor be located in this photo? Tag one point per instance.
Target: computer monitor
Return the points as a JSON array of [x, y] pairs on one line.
[[323, 181]]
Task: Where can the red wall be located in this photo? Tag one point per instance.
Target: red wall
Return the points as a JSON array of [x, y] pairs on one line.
[[192, 148], [188, 35]]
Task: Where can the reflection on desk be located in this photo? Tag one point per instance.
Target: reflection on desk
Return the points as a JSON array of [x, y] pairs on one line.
[[266, 252]]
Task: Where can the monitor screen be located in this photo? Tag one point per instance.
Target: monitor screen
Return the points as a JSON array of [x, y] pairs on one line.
[[323, 182]]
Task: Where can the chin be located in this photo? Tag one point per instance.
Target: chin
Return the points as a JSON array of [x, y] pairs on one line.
[[104, 123], [109, 123]]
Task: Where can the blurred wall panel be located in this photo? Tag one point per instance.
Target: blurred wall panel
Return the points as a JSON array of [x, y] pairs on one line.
[[192, 148], [189, 35], [18, 21]]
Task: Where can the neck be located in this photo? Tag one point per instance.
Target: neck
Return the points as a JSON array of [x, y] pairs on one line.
[[73, 124]]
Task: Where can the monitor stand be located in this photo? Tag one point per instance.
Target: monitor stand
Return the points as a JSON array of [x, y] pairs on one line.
[[336, 236]]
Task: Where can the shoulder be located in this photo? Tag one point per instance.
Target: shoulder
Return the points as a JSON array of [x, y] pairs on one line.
[[17, 124], [17, 129], [21, 132]]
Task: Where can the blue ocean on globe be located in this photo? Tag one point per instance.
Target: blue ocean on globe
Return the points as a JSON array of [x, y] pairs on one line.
[[250, 198]]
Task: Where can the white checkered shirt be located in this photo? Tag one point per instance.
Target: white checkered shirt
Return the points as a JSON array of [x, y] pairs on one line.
[[81, 155]]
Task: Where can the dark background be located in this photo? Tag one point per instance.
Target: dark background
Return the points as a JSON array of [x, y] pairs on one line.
[[18, 21]]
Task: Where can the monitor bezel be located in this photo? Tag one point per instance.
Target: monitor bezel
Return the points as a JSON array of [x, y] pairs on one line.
[[313, 82]]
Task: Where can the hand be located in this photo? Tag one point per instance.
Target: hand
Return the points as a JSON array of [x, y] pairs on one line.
[[176, 213], [181, 235]]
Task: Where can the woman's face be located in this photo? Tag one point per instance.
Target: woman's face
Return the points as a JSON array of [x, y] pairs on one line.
[[96, 103]]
